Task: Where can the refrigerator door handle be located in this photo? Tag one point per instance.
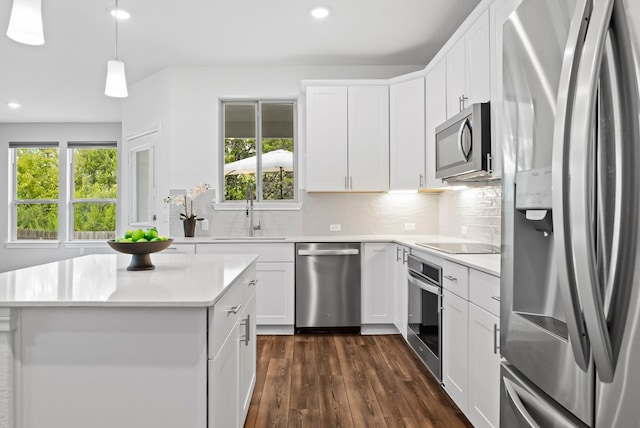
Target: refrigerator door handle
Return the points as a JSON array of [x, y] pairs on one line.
[[513, 393], [562, 233], [581, 188]]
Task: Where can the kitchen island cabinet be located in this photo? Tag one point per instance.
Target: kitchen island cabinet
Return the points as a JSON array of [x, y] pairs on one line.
[[87, 343]]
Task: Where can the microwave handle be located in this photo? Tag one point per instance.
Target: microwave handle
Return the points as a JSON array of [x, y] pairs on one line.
[[465, 124]]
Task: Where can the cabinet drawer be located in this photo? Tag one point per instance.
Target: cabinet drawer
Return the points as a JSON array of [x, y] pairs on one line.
[[455, 278], [484, 291], [267, 252], [224, 314]]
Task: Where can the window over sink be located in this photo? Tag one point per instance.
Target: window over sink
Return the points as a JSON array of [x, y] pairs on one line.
[[259, 151]]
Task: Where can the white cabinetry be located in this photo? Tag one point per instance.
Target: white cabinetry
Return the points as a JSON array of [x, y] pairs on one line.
[[398, 259], [407, 143], [436, 113], [377, 284], [469, 68], [455, 322], [276, 276], [484, 358], [347, 138], [232, 365]]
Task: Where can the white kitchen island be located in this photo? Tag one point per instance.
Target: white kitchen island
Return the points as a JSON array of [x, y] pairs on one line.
[[86, 343]]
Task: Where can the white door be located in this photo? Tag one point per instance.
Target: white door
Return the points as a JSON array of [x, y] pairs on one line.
[[478, 65], [484, 368], [436, 114], [407, 121], [456, 78], [275, 293], [398, 258], [377, 285], [455, 348], [368, 113], [326, 138], [247, 365]]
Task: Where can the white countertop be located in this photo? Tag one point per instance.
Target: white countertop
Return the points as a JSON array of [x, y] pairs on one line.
[[103, 280], [488, 263]]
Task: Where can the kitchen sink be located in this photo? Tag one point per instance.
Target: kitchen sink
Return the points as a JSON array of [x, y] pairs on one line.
[[249, 238]]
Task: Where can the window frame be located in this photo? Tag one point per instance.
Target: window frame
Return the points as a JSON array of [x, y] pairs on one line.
[[259, 202], [14, 202], [71, 200]]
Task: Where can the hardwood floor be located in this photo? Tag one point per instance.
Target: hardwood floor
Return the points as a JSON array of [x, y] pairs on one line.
[[346, 381]]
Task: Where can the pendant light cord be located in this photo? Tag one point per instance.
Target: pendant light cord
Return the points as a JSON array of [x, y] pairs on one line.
[[117, 11]]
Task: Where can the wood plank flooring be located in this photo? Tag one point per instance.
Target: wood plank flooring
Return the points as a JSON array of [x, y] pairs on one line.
[[346, 381]]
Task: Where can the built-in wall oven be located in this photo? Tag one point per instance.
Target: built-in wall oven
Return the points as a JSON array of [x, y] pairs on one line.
[[424, 332]]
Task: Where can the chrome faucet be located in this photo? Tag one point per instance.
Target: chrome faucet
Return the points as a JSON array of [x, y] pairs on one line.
[[252, 227]]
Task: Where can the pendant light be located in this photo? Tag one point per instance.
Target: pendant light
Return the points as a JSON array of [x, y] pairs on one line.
[[116, 85], [25, 23]]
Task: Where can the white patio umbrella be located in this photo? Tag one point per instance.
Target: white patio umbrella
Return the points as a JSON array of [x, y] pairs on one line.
[[275, 161]]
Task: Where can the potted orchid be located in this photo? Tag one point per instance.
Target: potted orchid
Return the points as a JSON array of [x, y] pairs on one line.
[[188, 217]]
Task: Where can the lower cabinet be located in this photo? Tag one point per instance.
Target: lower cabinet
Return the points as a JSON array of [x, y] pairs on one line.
[[276, 275], [398, 259], [484, 368], [232, 365], [377, 284], [455, 350]]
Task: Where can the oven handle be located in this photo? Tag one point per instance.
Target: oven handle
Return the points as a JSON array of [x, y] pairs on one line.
[[418, 282]]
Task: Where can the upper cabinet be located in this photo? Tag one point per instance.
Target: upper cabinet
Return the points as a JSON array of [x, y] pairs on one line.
[[469, 68], [436, 113], [347, 138], [407, 144]]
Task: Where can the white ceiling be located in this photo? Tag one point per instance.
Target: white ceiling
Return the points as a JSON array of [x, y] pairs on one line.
[[63, 80]]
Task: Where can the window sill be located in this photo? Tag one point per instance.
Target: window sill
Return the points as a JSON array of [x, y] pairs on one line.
[[260, 206], [32, 244]]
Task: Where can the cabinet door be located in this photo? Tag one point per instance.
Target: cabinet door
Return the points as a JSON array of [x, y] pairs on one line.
[[406, 122], [456, 78], [326, 138], [224, 397], [275, 293], [455, 327], [478, 65], [247, 357], [368, 142], [377, 285], [484, 369], [436, 114], [398, 259]]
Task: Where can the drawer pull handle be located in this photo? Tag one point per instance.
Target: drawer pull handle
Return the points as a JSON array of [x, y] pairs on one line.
[[253, 282], [234, 309], [496, 298], [451, 278], [496, 338]]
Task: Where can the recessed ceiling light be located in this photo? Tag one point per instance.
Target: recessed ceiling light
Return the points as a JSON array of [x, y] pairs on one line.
[[121, 14], [320, 12], [14, 105]]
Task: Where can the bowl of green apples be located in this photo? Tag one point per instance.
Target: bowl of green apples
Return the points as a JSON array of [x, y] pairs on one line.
[[140, 244]]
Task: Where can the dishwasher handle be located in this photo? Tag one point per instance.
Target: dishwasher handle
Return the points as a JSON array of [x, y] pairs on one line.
[[347, 252]]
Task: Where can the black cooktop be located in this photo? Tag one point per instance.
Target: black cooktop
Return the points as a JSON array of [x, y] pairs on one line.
[[462, 247]]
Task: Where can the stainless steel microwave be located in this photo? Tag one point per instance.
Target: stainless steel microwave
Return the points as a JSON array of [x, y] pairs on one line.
[[463, 145]]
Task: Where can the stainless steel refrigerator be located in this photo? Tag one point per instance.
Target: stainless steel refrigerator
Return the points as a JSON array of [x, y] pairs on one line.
[[570, 303]]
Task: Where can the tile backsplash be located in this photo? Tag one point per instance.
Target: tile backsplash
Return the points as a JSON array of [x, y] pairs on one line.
[[471, 213]]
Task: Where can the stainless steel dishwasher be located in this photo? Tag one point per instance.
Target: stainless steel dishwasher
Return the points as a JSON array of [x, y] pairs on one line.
[[327, 287]]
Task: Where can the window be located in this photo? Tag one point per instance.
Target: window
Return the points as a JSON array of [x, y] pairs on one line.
[[93, 190], [85, 210], [259, 150], [35, 194]]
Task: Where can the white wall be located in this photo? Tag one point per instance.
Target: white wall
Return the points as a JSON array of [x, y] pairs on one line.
[[15, 258]]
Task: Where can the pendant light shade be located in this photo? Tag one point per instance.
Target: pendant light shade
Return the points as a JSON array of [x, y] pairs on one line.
[[116, 85], [25, 23], [116, 81]]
